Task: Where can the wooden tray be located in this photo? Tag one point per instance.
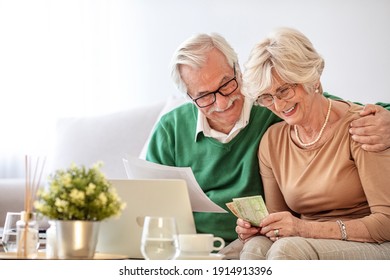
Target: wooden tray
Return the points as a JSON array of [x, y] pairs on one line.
[[42, 256]]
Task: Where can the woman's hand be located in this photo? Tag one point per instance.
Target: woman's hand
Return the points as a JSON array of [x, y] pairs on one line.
[[281, 224], [245, 230]]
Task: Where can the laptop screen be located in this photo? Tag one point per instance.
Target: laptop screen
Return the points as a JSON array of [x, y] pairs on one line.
[[144, 197]]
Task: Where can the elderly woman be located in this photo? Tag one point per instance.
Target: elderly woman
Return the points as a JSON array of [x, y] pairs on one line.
[[327, 197]]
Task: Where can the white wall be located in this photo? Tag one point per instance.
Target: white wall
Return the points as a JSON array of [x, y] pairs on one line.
[[86, 57], [78, 52], [352, 35]]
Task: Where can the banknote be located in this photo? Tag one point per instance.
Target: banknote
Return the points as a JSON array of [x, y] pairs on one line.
[[250, 208]]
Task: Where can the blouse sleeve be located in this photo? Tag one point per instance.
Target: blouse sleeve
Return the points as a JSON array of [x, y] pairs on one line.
[[274, 199], [373, 169]]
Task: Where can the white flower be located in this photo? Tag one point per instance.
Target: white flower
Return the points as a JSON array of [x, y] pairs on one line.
[[66, 180], [103, 198], [77, 196], [97, 165], [90, 189], [61, 204], [70, 192], [73, 167], [38, 205]]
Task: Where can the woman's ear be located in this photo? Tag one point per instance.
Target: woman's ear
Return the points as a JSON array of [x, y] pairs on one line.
[[318, 87]]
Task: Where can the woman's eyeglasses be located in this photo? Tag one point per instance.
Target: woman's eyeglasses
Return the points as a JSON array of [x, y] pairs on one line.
[[285, 92]]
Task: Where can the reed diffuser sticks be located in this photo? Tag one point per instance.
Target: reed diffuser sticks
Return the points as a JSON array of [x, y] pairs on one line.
[[32, 183], [33, 180]]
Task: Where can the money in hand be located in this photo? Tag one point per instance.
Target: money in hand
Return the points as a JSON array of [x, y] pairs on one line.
[[251, 209]]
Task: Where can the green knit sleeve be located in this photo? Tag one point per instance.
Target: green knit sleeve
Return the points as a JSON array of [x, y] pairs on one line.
[[160, 145], [382, 104]]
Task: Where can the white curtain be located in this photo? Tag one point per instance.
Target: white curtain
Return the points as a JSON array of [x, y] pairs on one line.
[[58, 59]]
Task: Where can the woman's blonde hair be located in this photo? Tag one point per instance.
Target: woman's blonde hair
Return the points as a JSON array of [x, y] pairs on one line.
[[289, 54]]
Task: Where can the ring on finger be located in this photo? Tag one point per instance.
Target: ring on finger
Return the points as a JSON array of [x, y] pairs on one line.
[[276, 232]]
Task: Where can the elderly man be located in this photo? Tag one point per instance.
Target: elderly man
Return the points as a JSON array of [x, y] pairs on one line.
[[218, 134]]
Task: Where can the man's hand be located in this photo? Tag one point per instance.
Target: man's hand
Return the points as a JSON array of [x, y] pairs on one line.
[[372, 129]]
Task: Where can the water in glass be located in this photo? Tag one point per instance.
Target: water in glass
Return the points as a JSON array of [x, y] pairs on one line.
[[159, 238]]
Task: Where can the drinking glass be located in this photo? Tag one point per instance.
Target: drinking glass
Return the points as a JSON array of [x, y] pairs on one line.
[[9, 232], [159, 239]]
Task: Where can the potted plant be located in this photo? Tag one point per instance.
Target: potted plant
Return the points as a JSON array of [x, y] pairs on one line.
[[77, 199]]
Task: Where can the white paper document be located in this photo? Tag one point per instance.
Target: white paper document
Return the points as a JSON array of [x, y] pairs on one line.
[[137, 168]]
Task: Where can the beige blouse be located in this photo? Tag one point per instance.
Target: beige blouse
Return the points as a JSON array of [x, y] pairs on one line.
[[338, 180]]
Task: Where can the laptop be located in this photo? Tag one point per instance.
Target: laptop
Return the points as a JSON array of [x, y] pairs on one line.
[[144, 197]]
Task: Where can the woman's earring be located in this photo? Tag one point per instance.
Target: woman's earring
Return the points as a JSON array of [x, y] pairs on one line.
[[316, 91]]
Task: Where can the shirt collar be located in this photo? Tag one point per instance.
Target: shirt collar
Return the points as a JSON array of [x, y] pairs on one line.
[[204, 127]]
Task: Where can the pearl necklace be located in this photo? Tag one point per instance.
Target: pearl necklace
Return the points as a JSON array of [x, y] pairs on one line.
[[321, 131]]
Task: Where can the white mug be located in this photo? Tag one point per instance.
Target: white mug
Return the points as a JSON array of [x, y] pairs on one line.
[[199, 244]]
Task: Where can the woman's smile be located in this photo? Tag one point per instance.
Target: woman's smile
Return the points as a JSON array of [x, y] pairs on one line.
[[289, 112]]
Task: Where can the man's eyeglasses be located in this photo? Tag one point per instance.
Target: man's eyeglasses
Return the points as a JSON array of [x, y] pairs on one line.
[[225, 90], [285, 92]]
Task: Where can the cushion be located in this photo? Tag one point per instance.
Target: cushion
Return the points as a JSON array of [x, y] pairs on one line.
[[106, 138], [12, 197]]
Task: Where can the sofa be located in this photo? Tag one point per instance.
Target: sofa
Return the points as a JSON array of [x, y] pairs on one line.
[[86, 140]]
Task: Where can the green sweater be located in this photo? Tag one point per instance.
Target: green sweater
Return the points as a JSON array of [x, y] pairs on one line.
[[223, 171]]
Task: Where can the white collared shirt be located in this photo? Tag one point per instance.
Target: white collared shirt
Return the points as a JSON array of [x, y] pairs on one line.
[[203, 125]]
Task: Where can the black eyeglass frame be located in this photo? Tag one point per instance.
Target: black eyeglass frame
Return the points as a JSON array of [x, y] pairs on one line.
[[217, 91], [278, 94]]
